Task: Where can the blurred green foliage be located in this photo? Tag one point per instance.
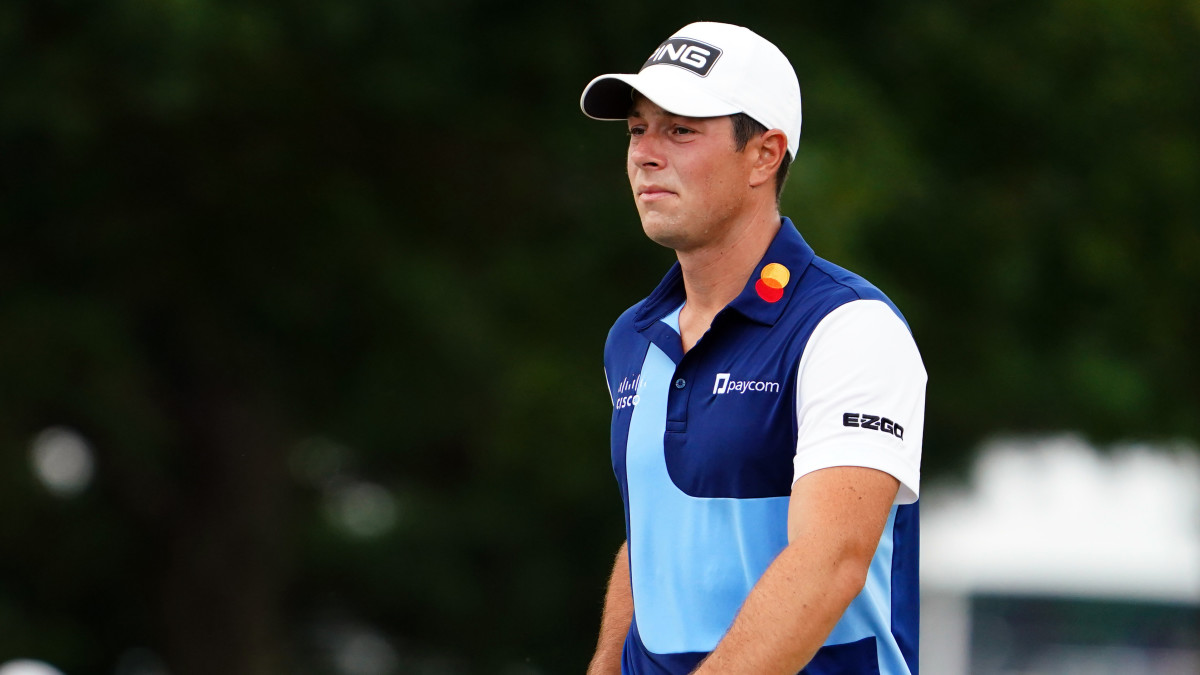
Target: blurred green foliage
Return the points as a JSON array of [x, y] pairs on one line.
[[258, 254]]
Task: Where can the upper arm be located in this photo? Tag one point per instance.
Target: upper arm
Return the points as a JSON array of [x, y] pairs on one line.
[[843, 509], [860, 397]]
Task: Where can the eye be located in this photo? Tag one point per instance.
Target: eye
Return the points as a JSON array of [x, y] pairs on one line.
[[682, 131], [637, 130]]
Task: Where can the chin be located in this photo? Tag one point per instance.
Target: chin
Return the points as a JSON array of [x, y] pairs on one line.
[[663, 234]]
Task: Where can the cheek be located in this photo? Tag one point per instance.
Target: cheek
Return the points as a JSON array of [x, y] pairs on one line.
[[728, 176]]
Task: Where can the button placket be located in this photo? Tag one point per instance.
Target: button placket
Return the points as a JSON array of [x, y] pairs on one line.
[[677, 402]]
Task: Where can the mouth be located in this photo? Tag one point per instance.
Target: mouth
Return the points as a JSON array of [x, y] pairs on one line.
[[649, 193]]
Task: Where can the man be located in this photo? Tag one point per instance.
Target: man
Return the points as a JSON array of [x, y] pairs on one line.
[[767, 404]]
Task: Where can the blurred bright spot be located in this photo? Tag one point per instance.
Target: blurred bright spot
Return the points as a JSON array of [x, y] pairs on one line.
[[62, 461], [360, 508], [28, 667], [363, 652], [318, 461]]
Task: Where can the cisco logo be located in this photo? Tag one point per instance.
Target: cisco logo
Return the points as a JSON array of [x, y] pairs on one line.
[[627, 392]]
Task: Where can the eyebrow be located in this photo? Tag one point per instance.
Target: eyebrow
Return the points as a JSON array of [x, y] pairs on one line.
[[634, 112]]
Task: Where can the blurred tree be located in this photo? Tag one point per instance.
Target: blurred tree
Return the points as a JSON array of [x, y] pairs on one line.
[[325, 287]]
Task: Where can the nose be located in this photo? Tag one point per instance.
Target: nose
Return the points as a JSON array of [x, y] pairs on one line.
[[646, 151]]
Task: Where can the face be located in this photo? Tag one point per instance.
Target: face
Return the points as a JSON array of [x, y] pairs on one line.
[[689, 182]]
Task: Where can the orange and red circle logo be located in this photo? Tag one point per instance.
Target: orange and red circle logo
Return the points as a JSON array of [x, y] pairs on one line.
[[774, 279]]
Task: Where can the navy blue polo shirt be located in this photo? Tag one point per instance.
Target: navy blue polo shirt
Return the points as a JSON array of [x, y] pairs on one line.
[[705, 451]]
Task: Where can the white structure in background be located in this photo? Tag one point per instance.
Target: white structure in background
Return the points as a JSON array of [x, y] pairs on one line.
[[1054, 520], [28, 667]]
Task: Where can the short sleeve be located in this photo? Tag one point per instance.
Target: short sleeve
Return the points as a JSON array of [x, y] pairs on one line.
[[860, 396]]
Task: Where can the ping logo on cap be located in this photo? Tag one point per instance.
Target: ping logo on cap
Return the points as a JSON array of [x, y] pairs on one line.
[[685, 53]]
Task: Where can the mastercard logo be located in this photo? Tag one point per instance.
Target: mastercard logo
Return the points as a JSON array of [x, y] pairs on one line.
[[774, 279]]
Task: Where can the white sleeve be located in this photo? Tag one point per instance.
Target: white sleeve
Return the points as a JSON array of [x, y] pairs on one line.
[[860, 396]]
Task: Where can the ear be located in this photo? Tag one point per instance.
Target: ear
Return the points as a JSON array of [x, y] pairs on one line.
[[771, 148]]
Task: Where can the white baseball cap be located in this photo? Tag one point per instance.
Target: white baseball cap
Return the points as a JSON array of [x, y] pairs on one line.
[[707, 70]]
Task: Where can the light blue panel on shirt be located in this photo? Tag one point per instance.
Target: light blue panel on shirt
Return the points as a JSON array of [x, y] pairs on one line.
[[870, 613], [693, 559]]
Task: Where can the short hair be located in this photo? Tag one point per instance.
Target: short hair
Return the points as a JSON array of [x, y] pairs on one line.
[[746, 127]]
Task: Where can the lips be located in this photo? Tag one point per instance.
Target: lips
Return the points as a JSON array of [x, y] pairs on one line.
[[653, 192]]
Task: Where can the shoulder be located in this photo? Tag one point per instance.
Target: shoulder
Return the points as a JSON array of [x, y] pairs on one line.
[[624, 325], [831, 299], [623, 337], [870, 330], [828, 284], [668, 294]]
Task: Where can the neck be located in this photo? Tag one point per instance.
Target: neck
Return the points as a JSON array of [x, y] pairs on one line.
[[715, 274]]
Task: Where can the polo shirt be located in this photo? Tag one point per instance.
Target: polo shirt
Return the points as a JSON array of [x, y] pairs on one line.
[[809, 367]]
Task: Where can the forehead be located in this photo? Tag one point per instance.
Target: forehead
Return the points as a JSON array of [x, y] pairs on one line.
[[643, 108]]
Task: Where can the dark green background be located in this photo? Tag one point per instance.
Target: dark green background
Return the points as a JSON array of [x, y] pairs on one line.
[[233, 232]]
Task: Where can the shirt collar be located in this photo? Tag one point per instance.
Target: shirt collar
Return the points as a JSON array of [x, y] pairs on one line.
[[766, 294]]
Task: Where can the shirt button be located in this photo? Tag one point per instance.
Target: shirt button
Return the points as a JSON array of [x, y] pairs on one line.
[[680, 383]]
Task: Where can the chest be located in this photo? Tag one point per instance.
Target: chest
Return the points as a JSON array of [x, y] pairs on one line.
[[721, 417]]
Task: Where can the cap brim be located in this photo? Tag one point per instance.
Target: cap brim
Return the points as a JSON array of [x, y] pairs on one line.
[[609, 97]]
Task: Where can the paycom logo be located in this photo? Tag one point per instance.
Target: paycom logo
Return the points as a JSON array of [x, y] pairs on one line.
[[726, 385]]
